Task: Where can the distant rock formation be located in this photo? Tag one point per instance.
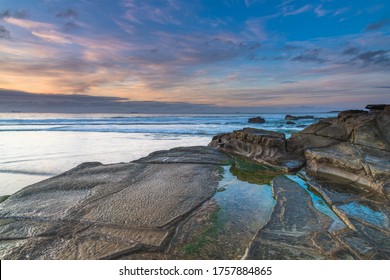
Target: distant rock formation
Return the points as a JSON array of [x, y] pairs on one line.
[[295, 118], [256, 120], [377, 106]]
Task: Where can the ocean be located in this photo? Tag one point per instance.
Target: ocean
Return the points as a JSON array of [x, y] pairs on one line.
[[34, 147]]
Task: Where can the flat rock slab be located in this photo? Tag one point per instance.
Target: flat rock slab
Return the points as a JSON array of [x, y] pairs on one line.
[[107, 211], [198, 154], [296, 230]]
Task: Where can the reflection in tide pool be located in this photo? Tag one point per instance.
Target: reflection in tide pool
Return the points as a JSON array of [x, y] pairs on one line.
[[365, 213], [320, 204], [241, 200], [234, 215]]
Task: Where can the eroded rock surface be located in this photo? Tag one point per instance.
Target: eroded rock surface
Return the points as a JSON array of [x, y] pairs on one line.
[[354, 146], [259, 145], [107, 211], [349, 224]]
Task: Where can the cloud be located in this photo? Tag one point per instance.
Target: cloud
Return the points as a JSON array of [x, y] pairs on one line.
[[14, 14], [379, 57], [59, 103], [256, 28], [378, 25], [68, 13], [249, 3], [312, 55], [28, 24], [160, 12], [320, 12], [289, 47], [43, 30], [191, 51], [52, 36], [341, 11], [384, 87], [71, 26], [4, 33], [291, 10], [351, 51]]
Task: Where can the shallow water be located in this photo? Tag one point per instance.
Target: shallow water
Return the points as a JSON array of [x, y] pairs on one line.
[[224, 227], [320, 204], [366, 213]]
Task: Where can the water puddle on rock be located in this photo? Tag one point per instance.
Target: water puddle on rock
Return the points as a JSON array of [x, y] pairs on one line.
[[224, 226], [366, 213], [320, 204]]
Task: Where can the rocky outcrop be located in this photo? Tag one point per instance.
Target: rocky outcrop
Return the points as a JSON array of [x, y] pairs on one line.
[[346, 224], [354, 146], [295, 118], [259, 145], [256, 120]]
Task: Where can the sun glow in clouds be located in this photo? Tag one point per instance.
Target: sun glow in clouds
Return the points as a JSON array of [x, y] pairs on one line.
[[229, 53]]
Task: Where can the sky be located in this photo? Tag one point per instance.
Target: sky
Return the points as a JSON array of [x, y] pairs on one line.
[[204, 53]]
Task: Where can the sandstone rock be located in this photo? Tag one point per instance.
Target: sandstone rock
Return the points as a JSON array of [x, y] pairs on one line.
[[97, 211], [256, 120], [335, 131], [294, 232], [367, 167], [306, 232], [259, 145], [298, 142]]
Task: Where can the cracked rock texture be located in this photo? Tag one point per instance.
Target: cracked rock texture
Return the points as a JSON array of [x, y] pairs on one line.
[[97, 211], [259, 145]]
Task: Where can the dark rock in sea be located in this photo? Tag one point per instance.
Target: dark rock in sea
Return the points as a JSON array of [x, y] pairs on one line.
[[290, 122], [256, 120], [378, 107], [295, 118], [259, 145]]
